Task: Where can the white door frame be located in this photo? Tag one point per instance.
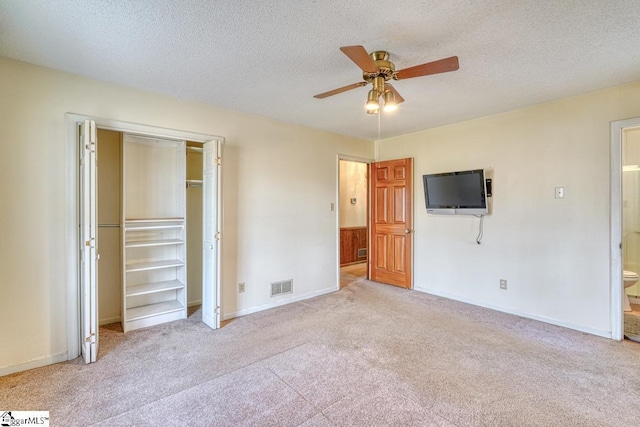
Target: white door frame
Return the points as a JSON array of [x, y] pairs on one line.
[[616, 262], [348, 158], [72, 220]]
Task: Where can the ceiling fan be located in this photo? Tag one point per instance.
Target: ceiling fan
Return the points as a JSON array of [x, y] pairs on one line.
[[377, 69]]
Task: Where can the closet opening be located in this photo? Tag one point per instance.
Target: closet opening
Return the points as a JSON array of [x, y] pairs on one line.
[[113, 297], [148, 230]]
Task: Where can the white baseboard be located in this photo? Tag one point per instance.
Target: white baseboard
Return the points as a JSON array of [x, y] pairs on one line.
[[634, 300], [277, 303], [36, 363], [109, 320], [562, 323], [192, 303]]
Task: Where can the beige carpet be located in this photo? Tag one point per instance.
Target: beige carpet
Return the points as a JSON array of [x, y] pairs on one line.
[[368, 355]]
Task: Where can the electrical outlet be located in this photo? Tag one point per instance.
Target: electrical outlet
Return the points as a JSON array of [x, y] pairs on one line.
[[241, 287], [503, 284]]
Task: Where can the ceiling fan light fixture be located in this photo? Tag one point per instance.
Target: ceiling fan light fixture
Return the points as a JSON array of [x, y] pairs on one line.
[[377, 70], [372, 102], [390, 101]]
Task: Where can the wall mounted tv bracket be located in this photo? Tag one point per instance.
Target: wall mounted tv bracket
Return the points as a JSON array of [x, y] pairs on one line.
[[488, 183]]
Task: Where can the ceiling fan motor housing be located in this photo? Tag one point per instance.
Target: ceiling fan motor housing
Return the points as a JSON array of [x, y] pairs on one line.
[[386, 71]]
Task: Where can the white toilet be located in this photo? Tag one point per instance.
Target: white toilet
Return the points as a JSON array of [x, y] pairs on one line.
[[629, 278]]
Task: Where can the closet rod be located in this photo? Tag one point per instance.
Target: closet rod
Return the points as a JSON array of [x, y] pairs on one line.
[[108, 225], [195, 149]]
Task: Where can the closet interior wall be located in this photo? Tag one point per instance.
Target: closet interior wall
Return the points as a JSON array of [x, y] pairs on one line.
[[194, 223], [109, 237]]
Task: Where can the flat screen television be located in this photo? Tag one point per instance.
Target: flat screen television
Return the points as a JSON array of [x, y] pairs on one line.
[[456, 193]]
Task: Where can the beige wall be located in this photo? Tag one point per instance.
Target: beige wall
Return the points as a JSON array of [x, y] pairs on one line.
[[279, 182], [353, 184], [553, 252]]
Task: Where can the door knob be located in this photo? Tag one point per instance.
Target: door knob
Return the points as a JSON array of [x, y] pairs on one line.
[[407, 231]]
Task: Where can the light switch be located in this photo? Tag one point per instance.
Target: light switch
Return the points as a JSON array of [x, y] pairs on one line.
[[559, 192]]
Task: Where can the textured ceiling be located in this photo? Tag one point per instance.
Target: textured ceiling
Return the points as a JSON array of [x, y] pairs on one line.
[[270, 57]]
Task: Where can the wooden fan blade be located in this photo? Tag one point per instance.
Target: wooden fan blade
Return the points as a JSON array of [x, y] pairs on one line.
[[397, 96], [436, 67], [359, 55], [339, 90]]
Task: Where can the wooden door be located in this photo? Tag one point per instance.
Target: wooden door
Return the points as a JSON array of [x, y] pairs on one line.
[[391, 223]]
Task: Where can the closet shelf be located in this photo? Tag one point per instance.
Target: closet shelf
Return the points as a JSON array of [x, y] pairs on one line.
[[139, 220], [151, 310], [153, 224], [147, 243], [150, 288], [153, 265]]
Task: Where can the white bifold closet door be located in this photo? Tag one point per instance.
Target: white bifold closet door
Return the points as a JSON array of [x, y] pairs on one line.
[[88, 144], [211, 234]]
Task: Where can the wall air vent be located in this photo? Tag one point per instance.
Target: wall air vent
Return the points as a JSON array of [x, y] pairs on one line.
[[362, 253], [282, 287]]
